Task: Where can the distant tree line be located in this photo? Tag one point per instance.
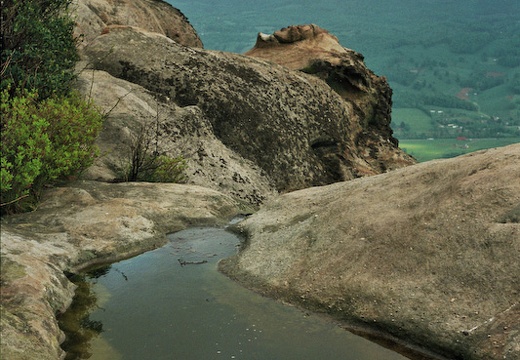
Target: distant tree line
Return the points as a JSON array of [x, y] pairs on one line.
[[469, 42], [480, 80], [514, 84]]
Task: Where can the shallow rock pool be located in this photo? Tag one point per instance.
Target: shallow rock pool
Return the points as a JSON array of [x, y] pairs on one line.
[[172, 303]]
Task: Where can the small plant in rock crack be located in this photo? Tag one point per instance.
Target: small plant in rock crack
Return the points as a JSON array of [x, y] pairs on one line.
[[144, 162]]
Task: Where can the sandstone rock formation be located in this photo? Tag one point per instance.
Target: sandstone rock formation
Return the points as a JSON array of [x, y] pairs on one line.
[[292, 126], [184, 131], [95, 17], [81, 225], [428, 253], [314, 50]]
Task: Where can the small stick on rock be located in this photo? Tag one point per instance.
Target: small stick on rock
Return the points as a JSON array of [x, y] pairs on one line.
[[183, 262]]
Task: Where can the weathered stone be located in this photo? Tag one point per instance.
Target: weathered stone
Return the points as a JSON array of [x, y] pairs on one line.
[[314, 50], [421, 253], [293, 126], [96, 17], [177, 131]]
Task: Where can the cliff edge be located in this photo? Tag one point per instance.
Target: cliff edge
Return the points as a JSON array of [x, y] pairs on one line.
[[427, 254], [290, 127], [94, 17]]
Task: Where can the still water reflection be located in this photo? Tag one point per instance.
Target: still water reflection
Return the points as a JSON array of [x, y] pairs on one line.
[[172, 303]]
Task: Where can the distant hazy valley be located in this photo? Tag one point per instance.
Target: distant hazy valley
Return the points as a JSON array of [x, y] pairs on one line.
[[454, 66]]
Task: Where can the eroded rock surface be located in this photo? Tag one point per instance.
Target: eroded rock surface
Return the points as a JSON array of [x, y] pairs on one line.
[[293, 126], [314, 50], [179, 131], [95, 17], [428, 253]]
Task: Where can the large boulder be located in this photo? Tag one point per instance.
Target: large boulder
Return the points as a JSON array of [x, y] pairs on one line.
[[314, 50], [94, 17], [293, 126], [174, 131], [428, 253]]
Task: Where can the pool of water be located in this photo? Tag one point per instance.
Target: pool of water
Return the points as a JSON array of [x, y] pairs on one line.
[[172, 303]]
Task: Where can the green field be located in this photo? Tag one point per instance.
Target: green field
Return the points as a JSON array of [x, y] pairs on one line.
[[412, 119], [425, 150]]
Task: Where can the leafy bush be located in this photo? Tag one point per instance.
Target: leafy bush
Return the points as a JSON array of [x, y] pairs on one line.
[[168, 169], [48, 132], [38, 47], [43, 142]]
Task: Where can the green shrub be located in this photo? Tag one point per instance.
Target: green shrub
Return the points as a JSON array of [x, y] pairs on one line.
[[167, 169], [143, 162], [43, 142], [38, 47], [152, 168]]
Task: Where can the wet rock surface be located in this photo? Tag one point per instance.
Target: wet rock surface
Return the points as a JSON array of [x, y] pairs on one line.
[[78, 226]]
